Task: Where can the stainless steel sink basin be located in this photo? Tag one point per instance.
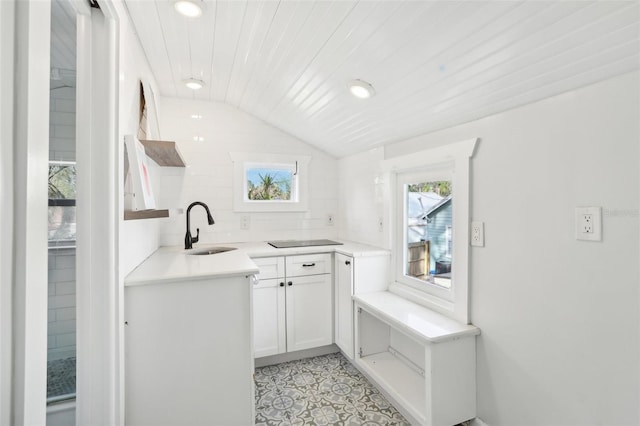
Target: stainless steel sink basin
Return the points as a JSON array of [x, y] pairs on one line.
[[211, 250]]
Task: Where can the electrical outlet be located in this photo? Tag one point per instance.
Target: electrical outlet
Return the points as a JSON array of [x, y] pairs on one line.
[[330, 220], [477, 234], [245, 222], [589, 223]]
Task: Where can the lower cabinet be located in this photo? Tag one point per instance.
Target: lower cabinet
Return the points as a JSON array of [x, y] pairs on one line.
[[293, 311], [355, 275], [422, 361], [188, 354]]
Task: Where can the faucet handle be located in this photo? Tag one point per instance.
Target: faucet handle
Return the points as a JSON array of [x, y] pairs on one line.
[[195, 239]]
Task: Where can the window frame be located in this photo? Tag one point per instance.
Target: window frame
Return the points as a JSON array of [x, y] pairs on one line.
[[243, 160], [454, 159]]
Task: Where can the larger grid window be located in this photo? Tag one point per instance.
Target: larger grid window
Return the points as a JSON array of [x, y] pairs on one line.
[[430, 217]]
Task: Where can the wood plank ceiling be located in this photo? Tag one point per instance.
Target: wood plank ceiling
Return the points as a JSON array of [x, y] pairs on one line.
[[433, 64]]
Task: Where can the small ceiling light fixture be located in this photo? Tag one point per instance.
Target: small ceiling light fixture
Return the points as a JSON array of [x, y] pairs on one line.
[[193, 84], [361, 89], [189, 8]]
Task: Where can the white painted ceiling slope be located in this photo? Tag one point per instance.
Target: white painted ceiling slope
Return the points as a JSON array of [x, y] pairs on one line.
[[434, 64]]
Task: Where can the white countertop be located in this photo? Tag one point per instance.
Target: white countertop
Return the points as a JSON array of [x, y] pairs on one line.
[[170, 264]]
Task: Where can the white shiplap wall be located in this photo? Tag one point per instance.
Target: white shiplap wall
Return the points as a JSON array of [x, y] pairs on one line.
[[61, 330], [208, 177], [62, 124]]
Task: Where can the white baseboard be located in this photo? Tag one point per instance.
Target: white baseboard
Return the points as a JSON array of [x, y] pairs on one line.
[[292, 356], [478, 422]]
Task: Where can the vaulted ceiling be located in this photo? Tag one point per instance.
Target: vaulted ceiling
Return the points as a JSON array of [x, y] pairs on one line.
[[433, 64]]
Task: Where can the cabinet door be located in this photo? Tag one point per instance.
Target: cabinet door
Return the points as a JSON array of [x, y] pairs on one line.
[[343, 304], [269, 330], [309, 312]]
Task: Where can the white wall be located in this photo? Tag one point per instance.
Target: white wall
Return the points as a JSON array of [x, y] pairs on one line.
[[208, 177], [7, 19], [138, 238], [362, 202], [559, 317]]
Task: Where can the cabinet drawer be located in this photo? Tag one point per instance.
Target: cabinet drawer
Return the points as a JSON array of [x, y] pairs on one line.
[[270, 267], [308, 264]]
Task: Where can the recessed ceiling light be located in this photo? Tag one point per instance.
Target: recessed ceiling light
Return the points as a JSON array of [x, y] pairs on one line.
[[196, 116], [193, 84], [189, 8], [361, 89]]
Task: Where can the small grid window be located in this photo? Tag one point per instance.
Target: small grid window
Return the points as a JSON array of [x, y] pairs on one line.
[[271, 182]]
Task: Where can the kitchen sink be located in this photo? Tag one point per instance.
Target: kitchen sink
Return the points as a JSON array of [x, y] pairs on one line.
[[211, 250]]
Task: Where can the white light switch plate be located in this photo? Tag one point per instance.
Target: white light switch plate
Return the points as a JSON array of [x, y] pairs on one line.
[[589, 223], [245, 222]]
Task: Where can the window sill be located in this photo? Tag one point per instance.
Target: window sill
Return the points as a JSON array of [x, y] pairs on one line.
[[425, 299]]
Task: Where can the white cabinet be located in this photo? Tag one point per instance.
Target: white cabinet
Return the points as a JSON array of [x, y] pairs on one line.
[[309, 312], [269, 316], [423, 362], [269, 308], [188, 353], [355, 275], [292, 304]]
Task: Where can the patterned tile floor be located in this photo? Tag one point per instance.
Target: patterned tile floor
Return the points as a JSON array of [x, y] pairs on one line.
[[325, 390]]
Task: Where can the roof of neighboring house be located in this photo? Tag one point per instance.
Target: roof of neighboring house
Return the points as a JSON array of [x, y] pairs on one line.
[[420, 202], [438, 206]]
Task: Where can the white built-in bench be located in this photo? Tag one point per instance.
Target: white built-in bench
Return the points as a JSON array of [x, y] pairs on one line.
[[424, 362]]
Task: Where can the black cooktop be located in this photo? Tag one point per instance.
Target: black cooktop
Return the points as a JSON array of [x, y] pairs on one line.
[[302, 243]]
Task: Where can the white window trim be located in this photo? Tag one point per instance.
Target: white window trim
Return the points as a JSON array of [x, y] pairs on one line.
[[455, 157], [241, 204]]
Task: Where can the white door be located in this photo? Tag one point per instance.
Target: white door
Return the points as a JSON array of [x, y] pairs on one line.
[[309, 312], [269, 315], [344, 304]]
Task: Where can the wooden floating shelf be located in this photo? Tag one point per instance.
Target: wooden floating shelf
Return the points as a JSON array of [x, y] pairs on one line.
[[165, 153], [144, 214]]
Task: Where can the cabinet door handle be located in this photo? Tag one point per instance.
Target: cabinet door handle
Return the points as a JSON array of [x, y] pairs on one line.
[[347, 262], [290, 283], [282, 284], [308, 265]]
